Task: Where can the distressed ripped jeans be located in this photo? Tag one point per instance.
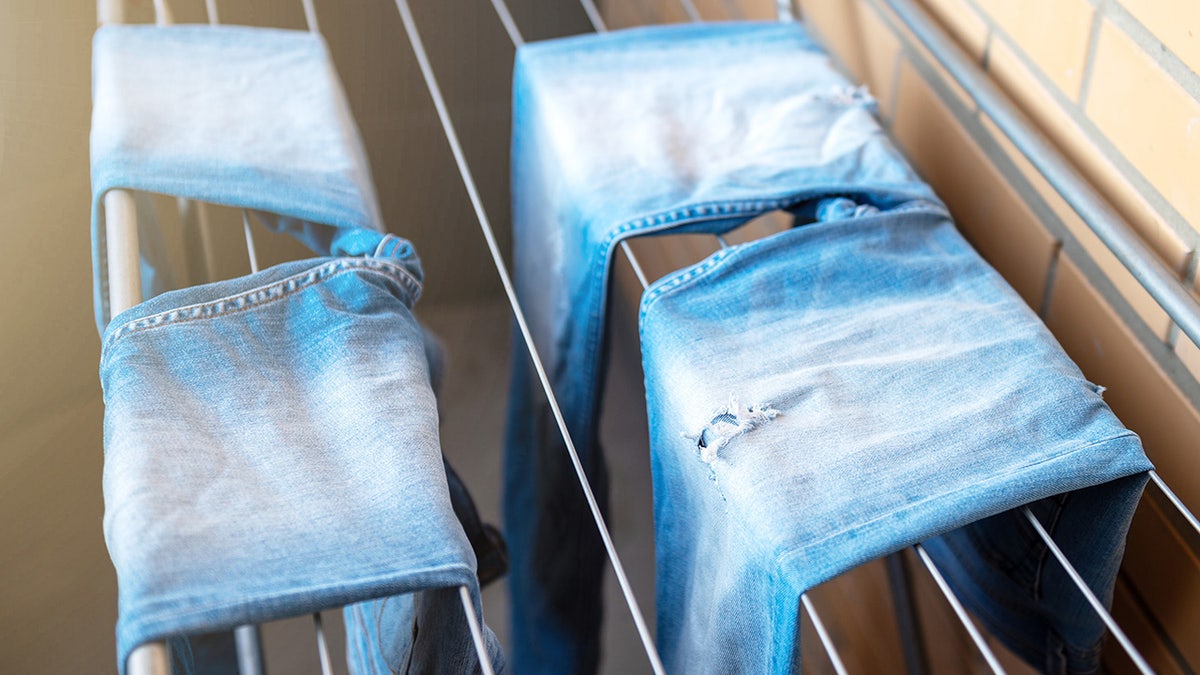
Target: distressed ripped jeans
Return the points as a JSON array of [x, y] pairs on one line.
[[818, 398]]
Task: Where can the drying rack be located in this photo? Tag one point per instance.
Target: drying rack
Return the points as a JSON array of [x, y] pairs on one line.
[[124, 290]]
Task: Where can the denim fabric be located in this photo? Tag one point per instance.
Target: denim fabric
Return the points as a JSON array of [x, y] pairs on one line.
[[693, 128], [271, 449], [829, 395], [246, 117]]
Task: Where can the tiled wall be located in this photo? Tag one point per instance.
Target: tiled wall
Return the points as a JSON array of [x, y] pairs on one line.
[[1113, 84]]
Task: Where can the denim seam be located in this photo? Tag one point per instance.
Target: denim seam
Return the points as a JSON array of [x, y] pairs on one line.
[[697, 213], [309, 278], [197, 613], [678, 279], [783, 556]]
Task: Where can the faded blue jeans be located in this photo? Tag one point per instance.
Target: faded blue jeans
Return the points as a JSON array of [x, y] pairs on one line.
[[271, 449], [816, 399]]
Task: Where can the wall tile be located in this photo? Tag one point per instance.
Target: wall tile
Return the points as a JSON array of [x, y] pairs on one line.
[[1055, 34], [1145, 306], [987, 210], [1175, 22], [1164, 571], [1189, 354], [1149, 117], [963, 22], [1019, 83], [1139, 392], [1145, 634]]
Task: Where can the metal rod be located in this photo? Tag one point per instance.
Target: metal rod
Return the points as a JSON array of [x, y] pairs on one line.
[[637, 267], [502, 269], [1125, 244], [162, 13], [210, 7], [1176, 501], [593, 16], [907, 620], [506, 19], [961, 611], [310, 16], [151, 658], [322, 646], [249, 650], [823, 635], [689, 8], [121, 243], [485, 662], [783, 9], [1126, 643], [110, 11], [250, 250]]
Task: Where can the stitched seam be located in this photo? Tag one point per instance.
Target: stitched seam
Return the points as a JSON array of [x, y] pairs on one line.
[[683, 277], [317, 275], [785, 555]]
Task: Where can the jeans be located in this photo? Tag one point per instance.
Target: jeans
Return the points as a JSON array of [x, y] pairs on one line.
[[271, 449], [700, 128], [246, 117], [832, 394]]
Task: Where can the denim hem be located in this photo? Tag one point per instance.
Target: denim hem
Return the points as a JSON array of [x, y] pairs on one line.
[[294, 603], [1122, 469], [257, 297]]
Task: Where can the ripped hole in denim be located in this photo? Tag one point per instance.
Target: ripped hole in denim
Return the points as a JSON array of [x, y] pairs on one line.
[[727, 423]]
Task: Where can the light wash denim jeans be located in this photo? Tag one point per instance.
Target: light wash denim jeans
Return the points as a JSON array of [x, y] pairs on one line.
[[246, 117], [699, 129], [829, 395], [271, 449]]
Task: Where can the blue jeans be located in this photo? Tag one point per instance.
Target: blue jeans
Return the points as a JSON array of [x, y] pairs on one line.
[[832, 394], [699, 128], [245, 117], [271, 449]]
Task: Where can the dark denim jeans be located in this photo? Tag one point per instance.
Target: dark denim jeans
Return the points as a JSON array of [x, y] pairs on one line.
[[774, 469]]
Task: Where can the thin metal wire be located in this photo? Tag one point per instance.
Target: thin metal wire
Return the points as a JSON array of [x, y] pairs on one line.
[[249, 650], [310, 16], [162, 13], [249, 242], [506, 19], [961, 611], [485, 662], [823, 635], [593, 16], [439, 103], [210, 7], [322, 647], [1176, 501], [689, 8], [783, 9], [1126, 643]]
